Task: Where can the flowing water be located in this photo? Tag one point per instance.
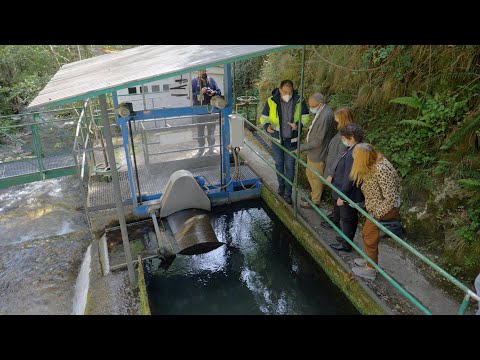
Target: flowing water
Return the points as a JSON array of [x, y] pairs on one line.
[[261, 270], [43, 238]]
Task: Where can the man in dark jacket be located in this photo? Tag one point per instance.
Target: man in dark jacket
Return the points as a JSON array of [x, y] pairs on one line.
[[203, 88], [319, 135], [284, 112]]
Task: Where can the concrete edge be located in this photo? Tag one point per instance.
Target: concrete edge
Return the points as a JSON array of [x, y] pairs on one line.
[[361, 296], [95, 267], [142, 288]]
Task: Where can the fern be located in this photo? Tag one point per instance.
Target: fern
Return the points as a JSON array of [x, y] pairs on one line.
[[460, 134], [409, 101], [457, 76], [472, 184], [416, 122]]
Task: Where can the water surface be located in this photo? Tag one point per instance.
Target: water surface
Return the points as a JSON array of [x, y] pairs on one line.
[[261, 270]]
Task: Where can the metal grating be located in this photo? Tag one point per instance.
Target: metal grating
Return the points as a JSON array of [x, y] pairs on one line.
[[25, 167], [18, 168], [58, 161], [100, 193]]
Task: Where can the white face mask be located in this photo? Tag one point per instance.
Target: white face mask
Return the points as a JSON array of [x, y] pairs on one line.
[[286, 98], [314, 110], [345, 142]]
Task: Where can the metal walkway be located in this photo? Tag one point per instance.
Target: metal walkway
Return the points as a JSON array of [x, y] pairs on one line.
[[100, 191], [27, 170]]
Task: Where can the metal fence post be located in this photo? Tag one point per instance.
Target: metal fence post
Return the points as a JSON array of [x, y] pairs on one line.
[[37, 145], [295, 206]]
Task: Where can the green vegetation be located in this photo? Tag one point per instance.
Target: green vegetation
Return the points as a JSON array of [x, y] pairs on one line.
[[419, 105], [26, 69], [142, 289]]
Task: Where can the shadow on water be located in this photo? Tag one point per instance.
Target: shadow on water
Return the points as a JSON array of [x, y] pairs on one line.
[[261, 270]]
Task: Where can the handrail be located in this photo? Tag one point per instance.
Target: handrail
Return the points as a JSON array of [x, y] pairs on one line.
[[169, 128], [393, 282], [85, 147], [448, 276], [80, 119], [40, 112], [16, 140], [28, 124], [53, 127]]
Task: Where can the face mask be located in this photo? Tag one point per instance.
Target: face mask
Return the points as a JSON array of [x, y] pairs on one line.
[[204, 76], [345, 143], [314, 110], [286, 98]]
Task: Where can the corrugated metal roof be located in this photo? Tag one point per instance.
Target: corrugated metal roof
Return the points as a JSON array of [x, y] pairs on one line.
[[110, 72]]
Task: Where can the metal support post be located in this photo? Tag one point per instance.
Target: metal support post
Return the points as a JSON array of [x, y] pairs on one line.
[[295, 206], [116, 189]]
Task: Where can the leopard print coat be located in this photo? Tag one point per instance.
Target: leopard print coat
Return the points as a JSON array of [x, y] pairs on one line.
[[381, 188]]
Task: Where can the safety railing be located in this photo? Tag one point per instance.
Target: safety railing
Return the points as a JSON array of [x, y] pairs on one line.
[[37, 148], [468, 293], [88, 136], [160, 138]]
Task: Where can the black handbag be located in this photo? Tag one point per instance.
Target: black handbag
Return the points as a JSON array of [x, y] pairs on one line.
[[395, 226]]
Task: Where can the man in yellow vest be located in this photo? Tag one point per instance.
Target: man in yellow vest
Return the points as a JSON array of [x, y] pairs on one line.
[[281, 117]]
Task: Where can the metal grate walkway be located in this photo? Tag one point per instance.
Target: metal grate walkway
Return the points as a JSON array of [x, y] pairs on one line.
[[30, 166], [100, 191]]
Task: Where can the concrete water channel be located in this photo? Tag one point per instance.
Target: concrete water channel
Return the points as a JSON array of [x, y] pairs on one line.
[[262, 269]]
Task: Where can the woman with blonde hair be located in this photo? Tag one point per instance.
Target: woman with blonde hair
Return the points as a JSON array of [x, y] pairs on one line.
[[380, 185]]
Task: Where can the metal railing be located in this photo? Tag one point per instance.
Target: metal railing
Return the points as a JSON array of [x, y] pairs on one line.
[[154, 148], [38, 148], [88, 133], [468, 292]]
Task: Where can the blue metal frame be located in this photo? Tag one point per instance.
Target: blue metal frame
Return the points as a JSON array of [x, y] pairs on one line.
[[129, 164], [216, 196]]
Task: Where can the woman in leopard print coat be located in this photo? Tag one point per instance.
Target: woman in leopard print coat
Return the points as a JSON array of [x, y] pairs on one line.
[[380, 185]]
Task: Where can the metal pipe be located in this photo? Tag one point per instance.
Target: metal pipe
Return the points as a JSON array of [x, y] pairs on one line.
[[158, 234], [221, 147], [464, 305], [41, 112], [176, 151], [135, 161], [142, 89], [234, 97], [98, 130], [116, 191], [295, 206], [155, 225], [122, 266], [96, 149], [162, 129]]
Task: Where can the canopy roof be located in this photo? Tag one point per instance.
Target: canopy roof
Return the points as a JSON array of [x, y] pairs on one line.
[[110, 72]]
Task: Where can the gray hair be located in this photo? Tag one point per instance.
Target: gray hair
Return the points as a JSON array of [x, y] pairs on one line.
[[319, 98]]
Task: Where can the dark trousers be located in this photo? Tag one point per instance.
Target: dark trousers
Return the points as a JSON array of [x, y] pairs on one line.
[[349, 219], [285, 164], [201, 129], [336, 212]]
